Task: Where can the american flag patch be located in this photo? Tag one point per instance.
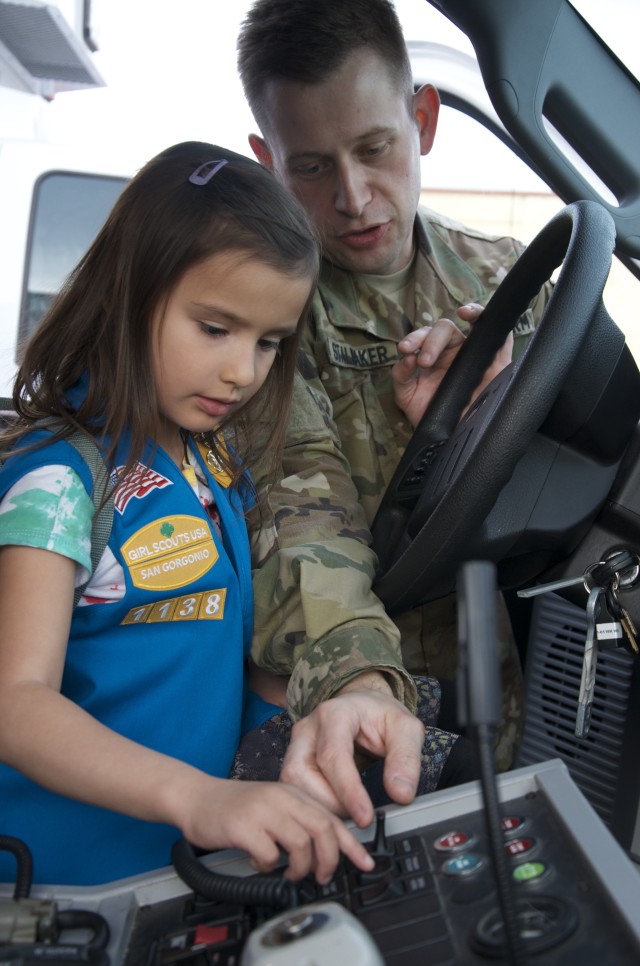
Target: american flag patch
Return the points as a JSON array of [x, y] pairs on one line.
[[140, 481]]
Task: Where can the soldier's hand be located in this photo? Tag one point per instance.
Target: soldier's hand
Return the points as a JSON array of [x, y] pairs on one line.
[[362, 717], [425, 356]]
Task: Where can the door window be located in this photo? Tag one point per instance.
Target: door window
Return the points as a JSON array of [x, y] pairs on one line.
[[68, 211]]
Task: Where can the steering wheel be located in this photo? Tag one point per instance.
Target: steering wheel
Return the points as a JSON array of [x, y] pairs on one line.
[[473, 488]]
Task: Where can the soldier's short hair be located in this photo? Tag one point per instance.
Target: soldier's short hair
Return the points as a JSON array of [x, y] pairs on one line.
[[307, 40]]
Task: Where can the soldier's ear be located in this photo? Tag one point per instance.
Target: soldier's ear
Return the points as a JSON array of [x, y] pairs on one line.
[[261, 151], [426, 107]]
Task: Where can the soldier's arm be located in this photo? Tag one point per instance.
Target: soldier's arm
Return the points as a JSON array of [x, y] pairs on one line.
[[316, 617]]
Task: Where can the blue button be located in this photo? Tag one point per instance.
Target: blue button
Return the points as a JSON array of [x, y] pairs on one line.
[[463, 864]]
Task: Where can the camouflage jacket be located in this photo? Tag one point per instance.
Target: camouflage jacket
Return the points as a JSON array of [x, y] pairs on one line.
[[316, 616]]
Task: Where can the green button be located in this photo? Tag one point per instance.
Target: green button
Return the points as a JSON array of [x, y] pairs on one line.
[[528, 871]]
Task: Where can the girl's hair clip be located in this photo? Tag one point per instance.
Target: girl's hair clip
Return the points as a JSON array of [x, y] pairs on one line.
[[205, 172]]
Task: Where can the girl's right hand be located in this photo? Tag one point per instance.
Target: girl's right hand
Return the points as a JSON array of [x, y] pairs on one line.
[[264, 817]]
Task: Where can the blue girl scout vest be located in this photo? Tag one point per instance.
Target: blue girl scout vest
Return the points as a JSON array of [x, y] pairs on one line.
[[165, 666]]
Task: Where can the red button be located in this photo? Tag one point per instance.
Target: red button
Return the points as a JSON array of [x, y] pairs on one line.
[[511, 822], [210, 935], [452, 841], [519, 846]]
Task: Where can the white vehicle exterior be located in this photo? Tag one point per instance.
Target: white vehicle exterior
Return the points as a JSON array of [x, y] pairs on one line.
[[45, 48]]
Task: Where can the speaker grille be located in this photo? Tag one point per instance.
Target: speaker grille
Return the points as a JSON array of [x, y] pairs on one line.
[[552, 685]]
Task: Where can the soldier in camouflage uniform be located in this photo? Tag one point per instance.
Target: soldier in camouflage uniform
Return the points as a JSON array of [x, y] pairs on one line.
[[311, 71]]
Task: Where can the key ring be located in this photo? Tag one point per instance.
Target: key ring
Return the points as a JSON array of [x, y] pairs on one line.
[[617, 580], [587, 574], [630, 580]]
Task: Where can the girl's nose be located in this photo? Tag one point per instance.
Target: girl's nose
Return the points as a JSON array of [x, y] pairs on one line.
[[240, 368]]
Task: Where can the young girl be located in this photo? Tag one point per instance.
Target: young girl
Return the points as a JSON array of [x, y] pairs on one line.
[[173, 344]]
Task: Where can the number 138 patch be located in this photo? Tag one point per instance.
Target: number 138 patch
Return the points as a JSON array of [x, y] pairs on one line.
[[206, 606]]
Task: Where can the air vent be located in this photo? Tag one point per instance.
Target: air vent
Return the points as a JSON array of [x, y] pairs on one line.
[[39, 51]]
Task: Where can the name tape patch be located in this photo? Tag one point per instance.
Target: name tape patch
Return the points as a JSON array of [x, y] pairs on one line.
[[366, 357]]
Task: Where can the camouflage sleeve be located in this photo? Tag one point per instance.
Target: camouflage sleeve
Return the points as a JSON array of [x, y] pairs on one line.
[[316, 617]]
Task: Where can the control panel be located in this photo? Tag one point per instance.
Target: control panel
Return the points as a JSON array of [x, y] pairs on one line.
[[431, 899]]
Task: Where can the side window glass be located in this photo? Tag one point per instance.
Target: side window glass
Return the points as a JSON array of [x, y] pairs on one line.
[[67, 212]]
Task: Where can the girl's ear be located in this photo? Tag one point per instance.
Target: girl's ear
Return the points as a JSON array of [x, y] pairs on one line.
[[261, 151]]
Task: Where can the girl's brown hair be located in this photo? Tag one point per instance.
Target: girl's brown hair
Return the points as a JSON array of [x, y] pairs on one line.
[[99, 327]]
